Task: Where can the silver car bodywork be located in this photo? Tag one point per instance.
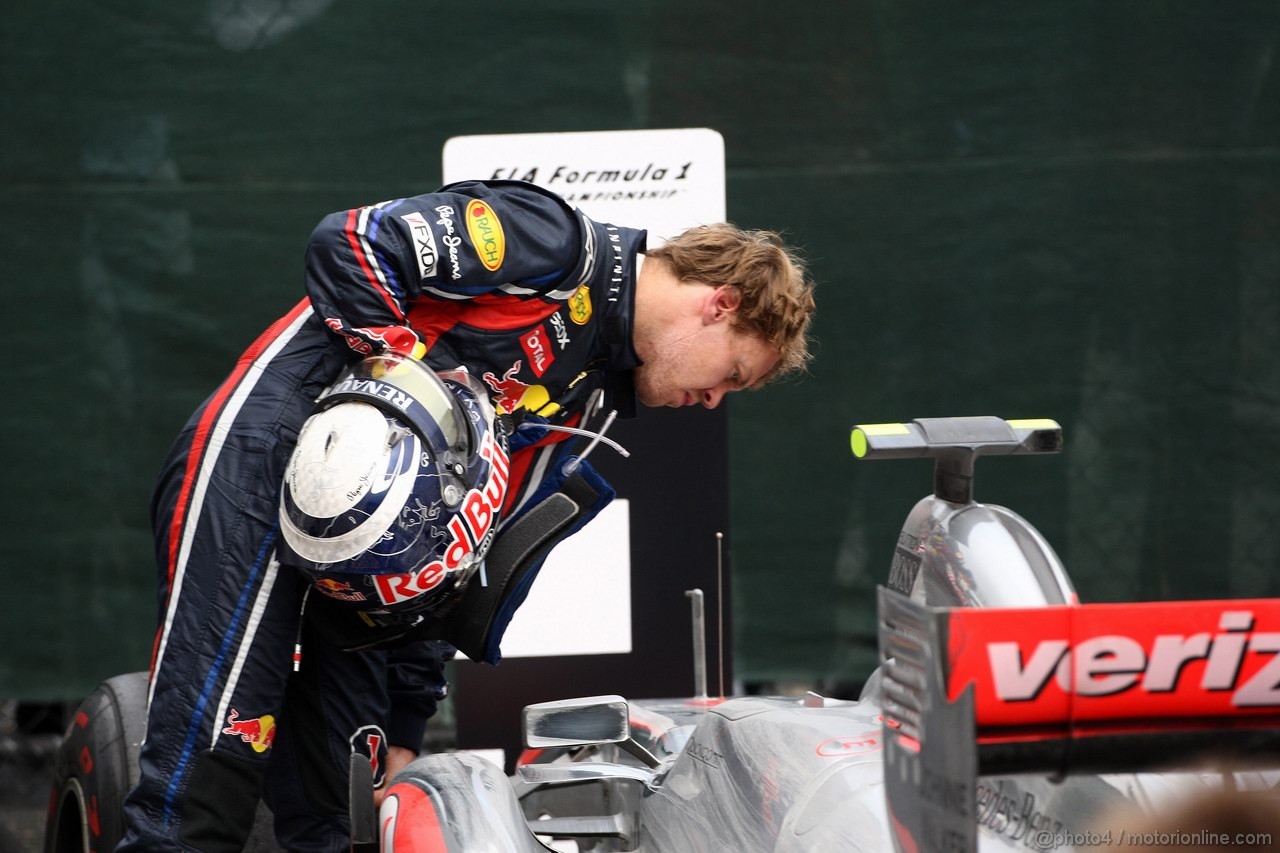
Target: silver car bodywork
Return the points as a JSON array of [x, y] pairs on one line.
[[804, 774], [751, 774]]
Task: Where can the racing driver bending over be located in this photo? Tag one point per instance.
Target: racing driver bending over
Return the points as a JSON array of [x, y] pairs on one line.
[[296, 620]]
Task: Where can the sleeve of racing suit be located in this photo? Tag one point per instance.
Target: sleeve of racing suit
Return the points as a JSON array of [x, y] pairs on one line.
[[366, 266], [415, 684]]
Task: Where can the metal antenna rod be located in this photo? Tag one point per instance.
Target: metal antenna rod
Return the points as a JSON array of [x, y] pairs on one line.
[[699, 643], [596, 438], [720, 605]]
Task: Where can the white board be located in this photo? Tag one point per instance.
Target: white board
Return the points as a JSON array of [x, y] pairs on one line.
[[662, 180], [581, 602]]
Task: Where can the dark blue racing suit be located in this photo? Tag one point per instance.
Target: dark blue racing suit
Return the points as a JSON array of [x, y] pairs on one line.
[[500, 277]]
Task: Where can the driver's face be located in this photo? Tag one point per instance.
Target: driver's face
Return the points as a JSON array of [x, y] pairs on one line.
[[700, 366]]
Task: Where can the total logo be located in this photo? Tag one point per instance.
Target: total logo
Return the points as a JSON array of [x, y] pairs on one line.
[[538, 348], [470, 530], [258, 732]]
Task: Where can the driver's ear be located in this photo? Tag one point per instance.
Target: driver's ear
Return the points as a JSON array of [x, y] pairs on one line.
[[721, 303]]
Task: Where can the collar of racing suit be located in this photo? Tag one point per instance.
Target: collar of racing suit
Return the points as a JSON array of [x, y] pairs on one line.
[[619, 298]]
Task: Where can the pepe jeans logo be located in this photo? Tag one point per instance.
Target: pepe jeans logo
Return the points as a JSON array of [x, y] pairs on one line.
[[451, 240]]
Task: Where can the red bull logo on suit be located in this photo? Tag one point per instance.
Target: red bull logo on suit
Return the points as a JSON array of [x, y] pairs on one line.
[[511, 394], [258, 732]]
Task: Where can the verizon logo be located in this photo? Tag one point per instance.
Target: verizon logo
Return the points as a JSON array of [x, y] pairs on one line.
[[1111, 664]]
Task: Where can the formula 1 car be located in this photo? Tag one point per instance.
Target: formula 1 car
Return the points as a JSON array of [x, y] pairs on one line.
[[1004, 715]]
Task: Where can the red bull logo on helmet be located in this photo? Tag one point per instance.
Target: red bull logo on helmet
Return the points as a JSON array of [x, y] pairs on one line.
[[471, 531], [258, 732], [328, 585], [340, 590]]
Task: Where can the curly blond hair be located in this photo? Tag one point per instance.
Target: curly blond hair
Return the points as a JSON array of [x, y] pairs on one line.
[[777, 299]]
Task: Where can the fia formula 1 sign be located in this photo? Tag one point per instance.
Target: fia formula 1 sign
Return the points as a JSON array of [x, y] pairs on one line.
[[661, 180]]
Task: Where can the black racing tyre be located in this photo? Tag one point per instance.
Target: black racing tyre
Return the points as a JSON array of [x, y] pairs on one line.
[[96, 767]]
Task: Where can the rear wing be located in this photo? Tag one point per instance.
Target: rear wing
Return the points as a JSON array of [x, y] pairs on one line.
[[1097, 688]]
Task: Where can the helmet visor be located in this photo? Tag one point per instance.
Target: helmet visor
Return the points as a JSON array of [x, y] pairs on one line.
[[407, 389]]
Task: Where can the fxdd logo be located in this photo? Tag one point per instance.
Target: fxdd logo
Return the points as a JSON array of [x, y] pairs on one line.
[[424, 244]]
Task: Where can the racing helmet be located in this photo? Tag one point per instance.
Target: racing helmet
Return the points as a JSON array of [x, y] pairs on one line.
[[392, 495]]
